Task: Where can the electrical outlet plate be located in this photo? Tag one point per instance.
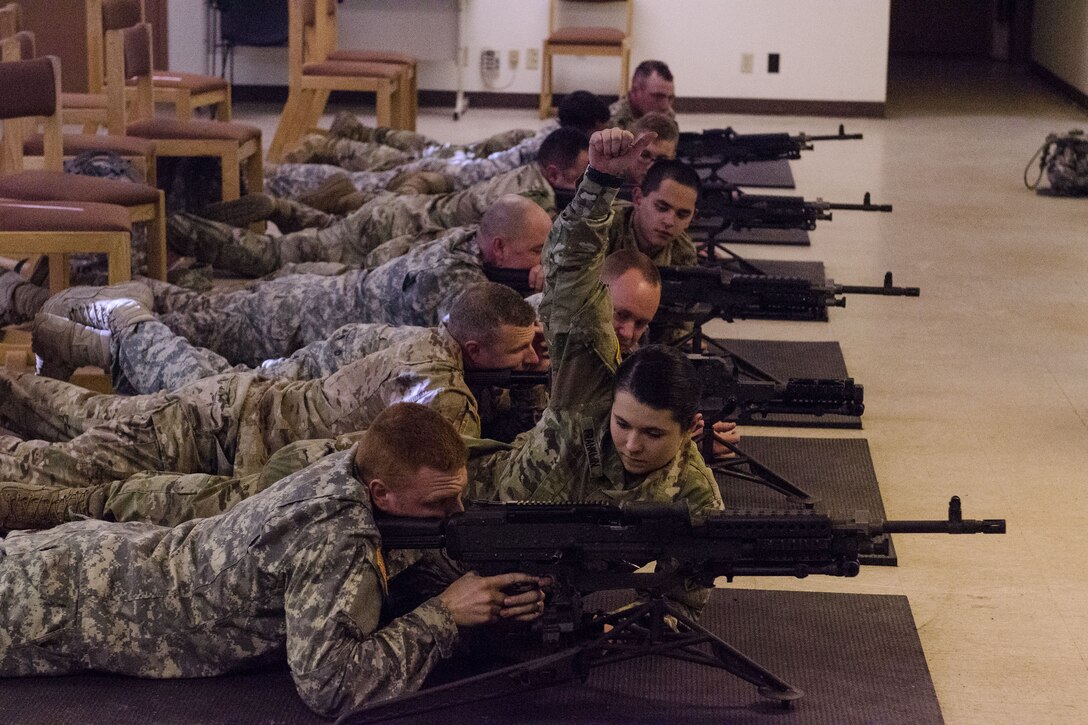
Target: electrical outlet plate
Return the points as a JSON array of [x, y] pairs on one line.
[[514, 58], [746, 62], [532, 59]]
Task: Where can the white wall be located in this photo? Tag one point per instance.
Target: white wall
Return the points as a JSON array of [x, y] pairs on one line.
[[831, 50], [1059, 39]]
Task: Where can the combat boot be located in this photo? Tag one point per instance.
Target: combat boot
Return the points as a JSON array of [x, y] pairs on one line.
[[194, 236], [62, 303], [61, 346], [346, 125], [111, 315], [240, 212], [329, 193], [28, 506], [421, 182]]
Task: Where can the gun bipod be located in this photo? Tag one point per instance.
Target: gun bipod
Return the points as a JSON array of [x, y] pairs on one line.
[[617, 636]]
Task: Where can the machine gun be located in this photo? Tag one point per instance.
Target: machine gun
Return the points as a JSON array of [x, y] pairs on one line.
[[714, 148], [699, 294], [723, 207], [586, 548]]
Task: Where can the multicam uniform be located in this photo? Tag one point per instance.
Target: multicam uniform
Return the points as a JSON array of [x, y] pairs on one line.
[[296, 570], [227, 424], [355, 236], [569, 455], [621, 235]]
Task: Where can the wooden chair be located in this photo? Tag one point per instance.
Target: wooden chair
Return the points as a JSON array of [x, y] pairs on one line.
[[324, 29], [128, 55], [573, 40], [48, 222], [313, 76], [11, 20], [184, 91], [138, 151], [31, 89]]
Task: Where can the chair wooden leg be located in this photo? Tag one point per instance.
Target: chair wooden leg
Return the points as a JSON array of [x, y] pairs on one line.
[[314, 110], [286, 134], [183, 107], [224, 110], [119, 262], [58, 272], [625, 71], [232, 178], [156, 242], [546, 85]]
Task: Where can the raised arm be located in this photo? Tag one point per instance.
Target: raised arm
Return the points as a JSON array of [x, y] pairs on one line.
[[575, 310]]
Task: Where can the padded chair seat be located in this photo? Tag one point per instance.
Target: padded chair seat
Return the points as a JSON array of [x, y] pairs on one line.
[[77, 143], [191, 82], [349, 69], [587, 36], [48, 216], [174, 130], [69, 101], [58, 186], [373, 56]]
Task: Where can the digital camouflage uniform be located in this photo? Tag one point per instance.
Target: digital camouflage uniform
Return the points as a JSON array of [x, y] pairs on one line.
[[293, 180], [294, 571], [569, 455], [621, 235], [354, 237], [227, 424], [273, 318], [623, 116]]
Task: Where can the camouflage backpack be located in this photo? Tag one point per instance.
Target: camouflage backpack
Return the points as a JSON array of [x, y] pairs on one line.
[[1064, 159]]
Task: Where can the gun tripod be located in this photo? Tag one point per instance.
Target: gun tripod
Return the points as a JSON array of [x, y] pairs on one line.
[[630, 633]]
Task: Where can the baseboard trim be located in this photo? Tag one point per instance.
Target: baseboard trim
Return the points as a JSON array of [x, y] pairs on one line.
[[482, 99], [1061, 85]]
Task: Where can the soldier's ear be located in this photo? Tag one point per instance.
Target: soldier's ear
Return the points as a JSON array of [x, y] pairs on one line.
[[553, 174], [380, 494], [471, 349], [498, 248], [636, 196]]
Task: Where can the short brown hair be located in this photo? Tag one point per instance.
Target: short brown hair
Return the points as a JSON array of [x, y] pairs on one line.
[[482, 309], [665, 127], [404, 438], [622, 260]]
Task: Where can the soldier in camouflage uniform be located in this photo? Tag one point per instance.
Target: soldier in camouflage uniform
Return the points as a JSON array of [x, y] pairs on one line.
[[656, 221], [19, 298], [242, 418], [273, 318], [296, 570], [570, 454], [351, 239], [652, 89]]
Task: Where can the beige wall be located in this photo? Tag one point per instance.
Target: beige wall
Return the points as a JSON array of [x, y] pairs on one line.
[[832, 50], [1059, 40]]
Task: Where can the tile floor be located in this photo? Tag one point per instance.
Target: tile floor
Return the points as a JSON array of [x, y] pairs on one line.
[[978, 388]]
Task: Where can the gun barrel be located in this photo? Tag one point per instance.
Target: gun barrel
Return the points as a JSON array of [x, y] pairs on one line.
[[835, 137], [966, 526], [888, 289]]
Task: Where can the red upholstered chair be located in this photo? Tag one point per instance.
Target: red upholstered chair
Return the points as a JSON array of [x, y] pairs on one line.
[[31, 90], [184, 91], [573, 40], [314, 75], [128, 55], [326, 36], [140, 152]]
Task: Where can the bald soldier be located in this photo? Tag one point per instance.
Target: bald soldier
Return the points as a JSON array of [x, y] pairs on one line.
[[349, 240], [652, 89], [273, 318], [230, 423], [294, 574]]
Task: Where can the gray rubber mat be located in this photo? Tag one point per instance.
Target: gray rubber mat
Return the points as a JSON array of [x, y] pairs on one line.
[[856, 657], [784, 360], [837, 471], [775, 174]]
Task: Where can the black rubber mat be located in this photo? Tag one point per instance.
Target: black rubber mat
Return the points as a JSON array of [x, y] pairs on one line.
[[856, 657], [784, 360], [791, 237], [775, 174], [837, 471]]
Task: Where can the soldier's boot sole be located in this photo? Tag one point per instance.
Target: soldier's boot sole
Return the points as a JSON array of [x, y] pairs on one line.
[[62, 303]]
